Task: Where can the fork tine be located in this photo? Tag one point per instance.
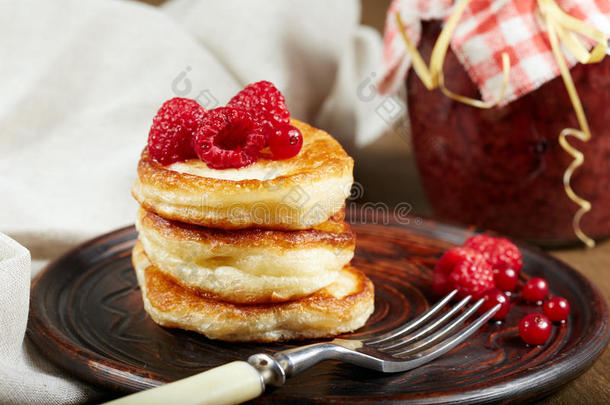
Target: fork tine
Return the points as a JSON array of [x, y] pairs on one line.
[[441, 334], [415, 323], [431, 327], [446, 345]]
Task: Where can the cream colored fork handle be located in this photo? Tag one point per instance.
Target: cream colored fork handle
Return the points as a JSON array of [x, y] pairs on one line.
[[232, 383]]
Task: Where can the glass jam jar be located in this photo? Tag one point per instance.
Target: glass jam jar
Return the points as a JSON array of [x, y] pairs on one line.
[[502, 168]]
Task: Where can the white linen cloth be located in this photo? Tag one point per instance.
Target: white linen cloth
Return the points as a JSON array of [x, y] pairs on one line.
[[80, 82]]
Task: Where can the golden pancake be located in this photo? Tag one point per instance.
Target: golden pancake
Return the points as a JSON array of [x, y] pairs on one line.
[[249, 265], [341, 307], [296, 193]]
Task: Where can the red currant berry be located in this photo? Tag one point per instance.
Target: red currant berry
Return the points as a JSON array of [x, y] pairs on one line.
[[557, 309], [535, 289], [506, 279], [493, 297], [535, 329], [285, 142]]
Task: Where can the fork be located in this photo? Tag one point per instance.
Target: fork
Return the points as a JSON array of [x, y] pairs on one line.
[[430, 335]]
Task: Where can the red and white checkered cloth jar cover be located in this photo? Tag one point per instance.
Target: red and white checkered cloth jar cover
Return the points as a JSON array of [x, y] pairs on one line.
[[486, 29]]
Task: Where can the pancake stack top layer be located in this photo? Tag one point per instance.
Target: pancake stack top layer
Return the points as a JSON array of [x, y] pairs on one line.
[[291, 194], [258, 253]]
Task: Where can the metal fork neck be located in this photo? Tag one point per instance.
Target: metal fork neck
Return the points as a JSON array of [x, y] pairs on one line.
[[298, 360], [275, 369]]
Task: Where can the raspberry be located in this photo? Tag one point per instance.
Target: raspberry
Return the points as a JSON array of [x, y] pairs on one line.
[[452, 257], [464, 269], [171, 136], [285, 141], [265, 103], [472, 276], [499, 252], [446, 264], [228, 138]]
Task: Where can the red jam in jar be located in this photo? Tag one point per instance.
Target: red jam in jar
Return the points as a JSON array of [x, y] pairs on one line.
[[502, 168]]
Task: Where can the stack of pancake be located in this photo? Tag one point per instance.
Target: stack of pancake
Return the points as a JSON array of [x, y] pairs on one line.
[[260, 253]]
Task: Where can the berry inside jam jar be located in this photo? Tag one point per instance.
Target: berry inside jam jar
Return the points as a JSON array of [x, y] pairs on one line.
[[502, 168]]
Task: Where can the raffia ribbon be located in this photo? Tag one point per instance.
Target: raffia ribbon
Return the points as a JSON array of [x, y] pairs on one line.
[[432, 76], [559, 24], [562, 25]]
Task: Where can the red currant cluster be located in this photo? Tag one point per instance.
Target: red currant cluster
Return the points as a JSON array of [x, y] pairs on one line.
[[225, 137], [488, 267], [535, 329]]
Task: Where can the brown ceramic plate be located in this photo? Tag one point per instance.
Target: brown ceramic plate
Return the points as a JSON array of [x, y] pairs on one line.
[[87, 316]]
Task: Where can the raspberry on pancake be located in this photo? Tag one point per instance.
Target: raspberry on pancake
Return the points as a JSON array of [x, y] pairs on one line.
[[171, 135]]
